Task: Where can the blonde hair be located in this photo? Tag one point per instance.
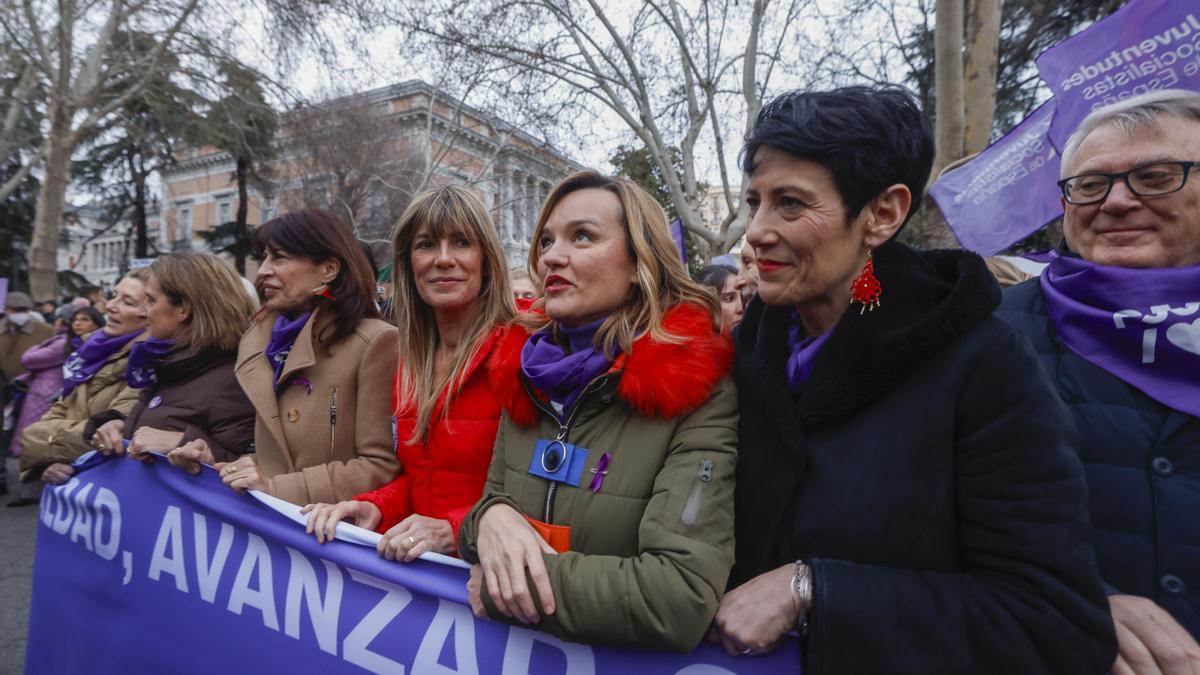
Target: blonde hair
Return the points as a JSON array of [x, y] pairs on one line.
[[1006, 273], [219, 306], [662, 279], [448, 210]]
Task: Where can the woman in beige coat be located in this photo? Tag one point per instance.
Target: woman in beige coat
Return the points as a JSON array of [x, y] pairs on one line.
[[318, 365]]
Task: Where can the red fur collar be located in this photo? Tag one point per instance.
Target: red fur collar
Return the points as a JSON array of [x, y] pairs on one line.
[[657, 379]]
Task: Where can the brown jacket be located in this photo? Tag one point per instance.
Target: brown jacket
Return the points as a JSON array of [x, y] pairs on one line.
[[15, 341], [326, 434]]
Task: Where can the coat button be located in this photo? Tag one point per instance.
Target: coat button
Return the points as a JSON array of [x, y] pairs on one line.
[[1172, 585], [293, 415], [1163, 466]]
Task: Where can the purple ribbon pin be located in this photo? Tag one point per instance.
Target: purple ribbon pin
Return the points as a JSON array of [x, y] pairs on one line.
[[600, 472]]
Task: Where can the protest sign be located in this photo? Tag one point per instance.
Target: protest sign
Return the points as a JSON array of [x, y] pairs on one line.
[[1006, 192], [146, 569], [679, 234], [1145, 46]]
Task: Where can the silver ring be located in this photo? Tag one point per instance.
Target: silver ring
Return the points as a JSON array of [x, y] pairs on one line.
[[746, 651], [408, 542]]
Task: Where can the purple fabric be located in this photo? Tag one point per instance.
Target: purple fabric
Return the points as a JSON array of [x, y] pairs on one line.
[[76, 343], [804, 355], [283, 336], [144, 356], [679, 234], [95, 352], [1007, 191], [562, 374], [45, 379], [1146, 45], [1141, 325]]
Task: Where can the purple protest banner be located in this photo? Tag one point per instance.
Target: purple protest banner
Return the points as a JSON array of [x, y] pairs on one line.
[[146, 569], [678, 233], [3, 289], [1145, 46], [1007, 191]]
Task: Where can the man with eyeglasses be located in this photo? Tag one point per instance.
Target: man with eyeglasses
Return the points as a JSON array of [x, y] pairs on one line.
[[1115, 319]]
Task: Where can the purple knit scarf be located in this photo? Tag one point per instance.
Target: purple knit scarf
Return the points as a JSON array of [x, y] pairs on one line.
[[143, 359], [91, 357], [562, 374], [1141, 325], [283, 337]]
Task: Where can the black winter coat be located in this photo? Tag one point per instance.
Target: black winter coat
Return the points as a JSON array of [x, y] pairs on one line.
[[1142, 461], [926, 472]]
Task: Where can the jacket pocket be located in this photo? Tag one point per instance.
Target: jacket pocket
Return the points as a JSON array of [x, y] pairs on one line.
[[691, 508]]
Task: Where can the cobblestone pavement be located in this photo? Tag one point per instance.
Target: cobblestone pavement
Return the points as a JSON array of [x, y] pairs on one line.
[[18, 528]]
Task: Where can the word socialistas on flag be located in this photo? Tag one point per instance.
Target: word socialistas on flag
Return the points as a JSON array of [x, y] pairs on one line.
[[144, 568]]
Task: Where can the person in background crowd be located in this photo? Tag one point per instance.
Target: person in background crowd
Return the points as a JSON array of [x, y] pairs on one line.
[[909, 497], [317, 365], [93, 380], [1114, 320], [454, 304], [93, 294], [523, 285], [607, 516], [20, 329], [44, 382], [46, 309], [1006, 273], [723, 280], [747, 278], [196, 312]]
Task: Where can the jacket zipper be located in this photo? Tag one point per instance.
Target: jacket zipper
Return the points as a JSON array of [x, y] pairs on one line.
[[564, 427], [332, 421], [691, 507]]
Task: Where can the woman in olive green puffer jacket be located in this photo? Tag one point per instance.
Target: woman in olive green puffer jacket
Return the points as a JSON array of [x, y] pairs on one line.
[[638, 497]]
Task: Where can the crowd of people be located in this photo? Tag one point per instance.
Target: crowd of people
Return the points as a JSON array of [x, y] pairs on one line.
[[868, 447]]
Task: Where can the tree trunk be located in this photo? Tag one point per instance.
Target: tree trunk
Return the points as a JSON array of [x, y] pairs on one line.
[[948, 85], [240, 233], [979, 72], [52, 197], [141, 246]]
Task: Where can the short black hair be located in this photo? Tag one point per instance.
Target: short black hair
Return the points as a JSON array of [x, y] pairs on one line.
[[868, 137]]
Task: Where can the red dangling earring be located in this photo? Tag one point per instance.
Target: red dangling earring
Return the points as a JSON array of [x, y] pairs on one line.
[[865, 289]]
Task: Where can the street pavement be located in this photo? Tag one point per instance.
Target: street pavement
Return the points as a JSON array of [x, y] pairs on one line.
[[18, 527]]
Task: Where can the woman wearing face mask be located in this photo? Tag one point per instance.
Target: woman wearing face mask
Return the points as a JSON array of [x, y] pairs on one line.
[[93, 381], [611, 486], [453, 303], [196, 311], [317, 365]]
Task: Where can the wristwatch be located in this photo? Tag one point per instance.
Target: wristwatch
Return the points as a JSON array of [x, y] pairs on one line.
[[802, 594]]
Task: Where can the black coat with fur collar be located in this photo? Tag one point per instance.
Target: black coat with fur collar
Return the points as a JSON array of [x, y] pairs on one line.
[[926, 472]]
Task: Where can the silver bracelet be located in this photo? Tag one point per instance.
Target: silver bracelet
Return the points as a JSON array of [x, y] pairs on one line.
[[802, 593]]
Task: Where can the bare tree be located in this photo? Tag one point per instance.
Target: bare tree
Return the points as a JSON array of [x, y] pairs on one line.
[[979, 73]]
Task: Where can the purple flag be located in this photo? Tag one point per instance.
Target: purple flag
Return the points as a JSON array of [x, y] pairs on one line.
[[677, 233], [146, 569], [1007, 191], [1145, 46]]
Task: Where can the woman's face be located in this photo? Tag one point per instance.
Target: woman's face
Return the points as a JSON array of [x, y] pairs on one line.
[[585, 265], [288, 281], [165, 320], [127, 309], [806, 250], [448, 272], [82, 324], [731, 303]]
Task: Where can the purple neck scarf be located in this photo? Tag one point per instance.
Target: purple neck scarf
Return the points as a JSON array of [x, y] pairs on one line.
[[804, 354], [143, 359], [1141, 325], [561, 374], [283, 336], [91, 356]]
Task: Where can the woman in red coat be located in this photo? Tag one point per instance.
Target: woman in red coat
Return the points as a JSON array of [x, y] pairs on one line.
[[452, 303]]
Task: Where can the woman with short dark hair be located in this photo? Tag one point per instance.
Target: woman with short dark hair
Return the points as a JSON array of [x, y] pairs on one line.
[[909, 498]]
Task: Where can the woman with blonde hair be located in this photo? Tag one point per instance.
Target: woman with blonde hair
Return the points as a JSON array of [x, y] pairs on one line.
[[453, 300], [611, 486], [196, 311]]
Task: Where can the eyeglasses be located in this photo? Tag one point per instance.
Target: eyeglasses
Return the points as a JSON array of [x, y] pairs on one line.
[[1151, 180]]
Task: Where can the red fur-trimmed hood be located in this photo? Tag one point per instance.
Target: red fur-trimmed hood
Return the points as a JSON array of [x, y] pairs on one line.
[[657, 379]]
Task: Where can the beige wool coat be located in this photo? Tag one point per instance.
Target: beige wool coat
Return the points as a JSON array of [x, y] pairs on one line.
[[326, 434]]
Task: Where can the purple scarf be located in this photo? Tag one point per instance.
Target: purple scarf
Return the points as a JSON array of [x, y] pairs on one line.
[[76, 343], [561, 374], [143, 358], [91, 357], [804, 355], [1141, 325], [283, 336]]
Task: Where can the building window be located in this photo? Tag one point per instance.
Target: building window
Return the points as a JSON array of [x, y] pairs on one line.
[[267, 211], [183, 231], [224, 211]]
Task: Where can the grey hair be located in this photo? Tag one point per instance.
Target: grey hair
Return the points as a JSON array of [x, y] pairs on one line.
[[1132, 113]]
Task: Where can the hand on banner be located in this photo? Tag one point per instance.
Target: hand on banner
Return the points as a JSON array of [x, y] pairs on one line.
[[508, 545], [415, 535], [191, 455], [243, 474], [754, 617], [1150, 641], [323, 518], [108, 438], [57, 473], [148, 439]]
